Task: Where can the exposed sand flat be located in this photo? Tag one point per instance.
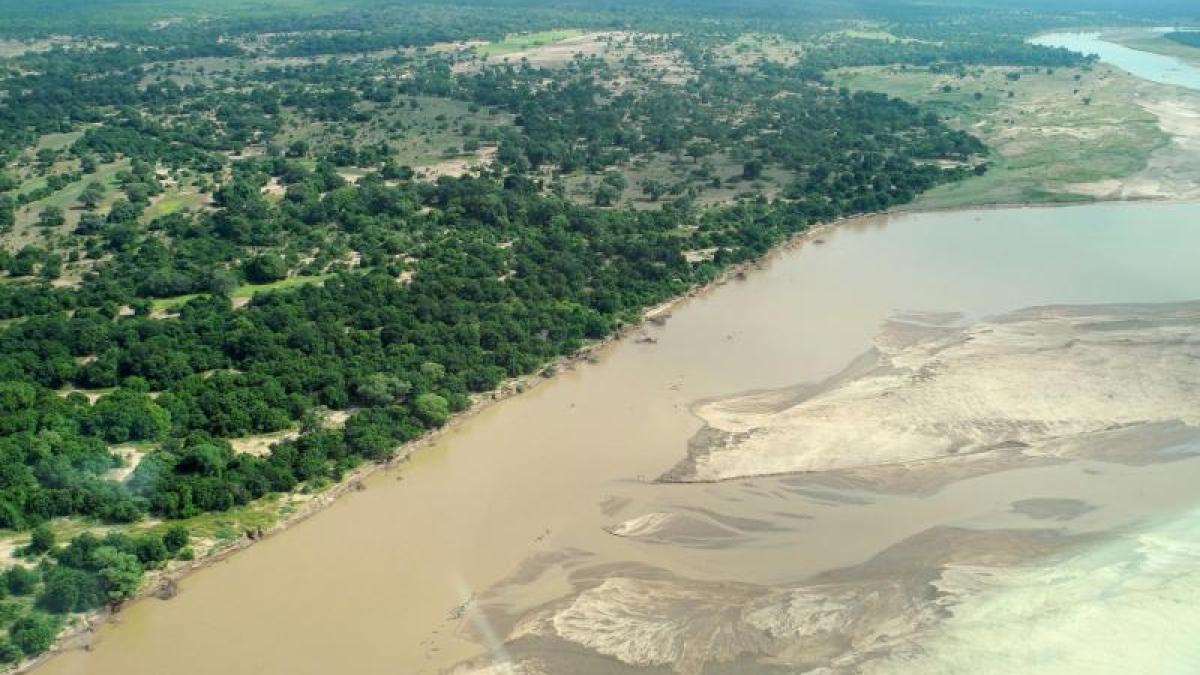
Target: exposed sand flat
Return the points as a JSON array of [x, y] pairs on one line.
[[928, 391], [650, 621]]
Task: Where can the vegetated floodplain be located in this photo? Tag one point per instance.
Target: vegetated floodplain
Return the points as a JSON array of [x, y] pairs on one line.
[[1053, 132], [220, 223]]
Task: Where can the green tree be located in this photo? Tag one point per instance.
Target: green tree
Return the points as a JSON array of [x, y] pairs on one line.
[[126, 415], [9, 652], [265, 268], [654, 188], [698, 150], [433, 408], [69, 589], [381, 389], [605, 195], [752, 169], [120, 573], [20, 580], [175, 538], [433, 371], [616, 180], [51, 267], [91, 195], [41, 539], [51, 216], [222, 282]]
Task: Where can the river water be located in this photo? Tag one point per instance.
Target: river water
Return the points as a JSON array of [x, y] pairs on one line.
[[1146, 65], [439, 559]]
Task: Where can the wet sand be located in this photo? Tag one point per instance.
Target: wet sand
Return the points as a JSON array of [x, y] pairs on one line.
[[535, 502]]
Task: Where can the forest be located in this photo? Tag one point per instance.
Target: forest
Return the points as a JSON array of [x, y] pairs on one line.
[[247, 225]]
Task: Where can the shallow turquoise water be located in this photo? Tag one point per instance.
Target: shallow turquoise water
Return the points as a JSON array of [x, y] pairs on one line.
[[1130, 605]]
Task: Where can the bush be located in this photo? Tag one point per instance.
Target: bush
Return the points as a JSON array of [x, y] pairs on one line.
[[70, 590], [176, 538], [20, 580], [9, 653], [265, 268], [34, 634], [42, 539], [433, 409]]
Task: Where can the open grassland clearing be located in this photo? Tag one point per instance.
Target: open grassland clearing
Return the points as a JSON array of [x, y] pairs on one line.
[[519, 43], [242, 294], [552, 53], [868, 31], [175, 200], [421, 131], [27, 230], [751, 48], [651, 179]]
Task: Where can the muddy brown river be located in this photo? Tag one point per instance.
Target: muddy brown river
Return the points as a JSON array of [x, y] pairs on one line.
[[536, 538]]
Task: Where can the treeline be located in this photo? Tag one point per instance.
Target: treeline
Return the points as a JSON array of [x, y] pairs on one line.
[[1014, 51]]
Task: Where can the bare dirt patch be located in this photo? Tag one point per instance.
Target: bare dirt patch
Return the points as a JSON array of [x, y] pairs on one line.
[[260, 445], [458, 166]]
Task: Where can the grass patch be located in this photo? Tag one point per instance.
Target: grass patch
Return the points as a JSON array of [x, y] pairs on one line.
[[749, 48], [174, 201], [235, 522], [420, 135], [243, 291], [26, 231], [250, 290], [517, 43], [60, 141]]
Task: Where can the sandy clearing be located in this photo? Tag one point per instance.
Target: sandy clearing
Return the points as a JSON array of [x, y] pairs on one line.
[[259, 445], [132, 456], [458, 166]]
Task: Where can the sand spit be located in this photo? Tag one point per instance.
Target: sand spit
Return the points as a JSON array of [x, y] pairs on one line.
[[1036, 381], [698, 528], [640, 620]]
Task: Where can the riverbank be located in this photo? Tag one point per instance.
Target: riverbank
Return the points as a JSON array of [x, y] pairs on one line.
[[425, 552], [161, 584]]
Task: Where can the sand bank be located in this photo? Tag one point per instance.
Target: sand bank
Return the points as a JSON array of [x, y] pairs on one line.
[[1035, 380]]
